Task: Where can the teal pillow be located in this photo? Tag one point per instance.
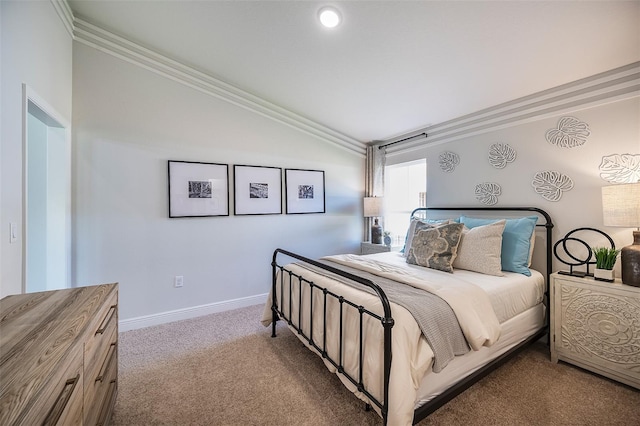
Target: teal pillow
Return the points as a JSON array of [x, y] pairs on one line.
[[516, 241]]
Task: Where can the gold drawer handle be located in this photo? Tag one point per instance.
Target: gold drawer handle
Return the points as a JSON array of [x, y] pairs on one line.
[[61, 402], [107, 319], [105, 363]]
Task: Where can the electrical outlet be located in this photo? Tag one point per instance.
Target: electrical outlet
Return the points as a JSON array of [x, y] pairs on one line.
[[178, 281]]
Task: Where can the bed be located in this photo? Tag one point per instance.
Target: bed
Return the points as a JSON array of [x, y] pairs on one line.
[[366, 316]]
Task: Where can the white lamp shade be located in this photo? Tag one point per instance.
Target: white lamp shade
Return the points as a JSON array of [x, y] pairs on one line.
[[373, 207], [621, 205]]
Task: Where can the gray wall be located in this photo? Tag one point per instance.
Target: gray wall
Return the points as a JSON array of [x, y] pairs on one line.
[[615, 129], [128, 122], [36, 51]]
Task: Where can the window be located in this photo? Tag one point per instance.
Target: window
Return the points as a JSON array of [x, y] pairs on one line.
[[405, 188]]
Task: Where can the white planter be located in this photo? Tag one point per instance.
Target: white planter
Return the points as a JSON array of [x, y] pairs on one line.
[[604, 274]]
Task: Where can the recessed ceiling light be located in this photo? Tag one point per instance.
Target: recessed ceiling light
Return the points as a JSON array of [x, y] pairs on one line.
[[329, 17]]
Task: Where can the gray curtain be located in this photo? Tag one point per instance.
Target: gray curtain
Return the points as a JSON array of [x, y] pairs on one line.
[[374, 181]]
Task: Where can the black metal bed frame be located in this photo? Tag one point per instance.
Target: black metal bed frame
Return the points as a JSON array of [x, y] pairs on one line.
[[386, 320]]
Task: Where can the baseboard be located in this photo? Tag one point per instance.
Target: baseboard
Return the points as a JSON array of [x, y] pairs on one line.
[[187, 313]]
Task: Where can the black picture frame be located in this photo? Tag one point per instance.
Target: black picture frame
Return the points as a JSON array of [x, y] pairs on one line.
[[198, 189], [305, 192], [257, 190]]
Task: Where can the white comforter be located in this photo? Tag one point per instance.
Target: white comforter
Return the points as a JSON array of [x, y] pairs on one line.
[[412, 356]]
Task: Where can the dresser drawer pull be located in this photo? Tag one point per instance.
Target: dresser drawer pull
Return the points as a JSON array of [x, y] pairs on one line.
[[107, 319], [61, 402], [105, 363]]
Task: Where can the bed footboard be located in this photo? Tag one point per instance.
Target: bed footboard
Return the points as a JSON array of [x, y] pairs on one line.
[[290, 279]]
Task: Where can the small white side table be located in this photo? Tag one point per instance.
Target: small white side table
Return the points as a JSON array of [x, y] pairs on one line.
[[596, 325]]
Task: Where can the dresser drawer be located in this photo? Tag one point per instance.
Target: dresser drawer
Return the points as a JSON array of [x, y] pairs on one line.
[[59, 357], [101, 360], [106, 317], [61, 401], [109, 399], [98, 390]]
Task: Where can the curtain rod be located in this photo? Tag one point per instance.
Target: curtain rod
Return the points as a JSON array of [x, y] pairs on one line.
[[402, 140]]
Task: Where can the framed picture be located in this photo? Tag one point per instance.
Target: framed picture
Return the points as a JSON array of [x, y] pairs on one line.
[[304, 191], [198, 189], [258, 190]]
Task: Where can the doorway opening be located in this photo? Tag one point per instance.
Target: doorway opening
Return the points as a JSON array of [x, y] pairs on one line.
[[46, 197]]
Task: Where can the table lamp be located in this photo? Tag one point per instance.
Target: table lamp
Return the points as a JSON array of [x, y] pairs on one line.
[[621, 207], [373, 208]]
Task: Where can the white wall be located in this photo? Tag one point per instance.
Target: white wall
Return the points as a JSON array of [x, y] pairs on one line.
[[127, 123], [36, 51], [615, 129]]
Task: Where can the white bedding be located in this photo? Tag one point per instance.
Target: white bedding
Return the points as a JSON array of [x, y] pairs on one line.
[[479, 315], [510, 295], [514, 331]]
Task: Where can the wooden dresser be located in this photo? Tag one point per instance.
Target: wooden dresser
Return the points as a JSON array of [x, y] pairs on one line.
[[59, 356], [596, 325]]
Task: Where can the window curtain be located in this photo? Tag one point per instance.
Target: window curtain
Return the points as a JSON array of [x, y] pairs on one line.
[[374, 181]]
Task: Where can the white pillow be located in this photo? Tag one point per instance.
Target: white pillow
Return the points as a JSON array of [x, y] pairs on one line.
[[480, 249]]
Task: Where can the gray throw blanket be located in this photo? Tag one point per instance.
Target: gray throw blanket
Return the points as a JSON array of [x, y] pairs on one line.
[[434, 316]]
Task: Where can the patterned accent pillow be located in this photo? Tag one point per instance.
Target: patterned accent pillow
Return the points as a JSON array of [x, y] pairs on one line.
[[480, 249], [419, 224], [436, 246]]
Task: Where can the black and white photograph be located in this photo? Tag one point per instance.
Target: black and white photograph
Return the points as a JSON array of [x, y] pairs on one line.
[[198, 189], [257, 190], [304, 191]]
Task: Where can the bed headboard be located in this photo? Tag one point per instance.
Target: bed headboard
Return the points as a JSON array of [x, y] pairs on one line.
[[507, 212]]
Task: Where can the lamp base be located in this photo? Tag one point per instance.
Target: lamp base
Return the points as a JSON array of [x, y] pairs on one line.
[[376, 233], [630, 258]]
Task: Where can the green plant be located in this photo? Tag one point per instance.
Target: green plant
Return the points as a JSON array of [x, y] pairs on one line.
[[605, 257]]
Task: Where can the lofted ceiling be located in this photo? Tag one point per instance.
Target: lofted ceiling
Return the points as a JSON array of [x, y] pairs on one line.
[[391, 67]]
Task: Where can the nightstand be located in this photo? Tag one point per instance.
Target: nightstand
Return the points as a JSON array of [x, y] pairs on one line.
[[596, 325], [370, 248]]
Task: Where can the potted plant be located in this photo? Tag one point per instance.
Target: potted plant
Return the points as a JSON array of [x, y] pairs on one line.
[[605, 261]]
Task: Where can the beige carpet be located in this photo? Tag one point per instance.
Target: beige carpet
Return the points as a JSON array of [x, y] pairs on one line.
[[225, 369]]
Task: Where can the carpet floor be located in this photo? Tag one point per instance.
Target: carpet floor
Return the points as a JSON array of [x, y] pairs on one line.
[[225, 369]]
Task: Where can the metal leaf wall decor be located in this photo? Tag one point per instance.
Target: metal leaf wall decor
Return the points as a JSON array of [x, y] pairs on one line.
[[448, 161], [500, 154], [620, 168], [488, 192], [551, 185], [570, 133]]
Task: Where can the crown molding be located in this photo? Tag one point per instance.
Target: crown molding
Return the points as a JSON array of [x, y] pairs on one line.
[[609, 86], [64, 12], [112, 44]]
